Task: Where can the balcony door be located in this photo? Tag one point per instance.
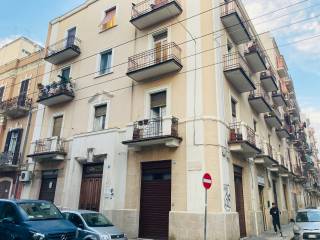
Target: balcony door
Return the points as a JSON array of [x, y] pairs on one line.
[[23, 92], [160, 46], [71, 37], [158, 105], [12, 145]]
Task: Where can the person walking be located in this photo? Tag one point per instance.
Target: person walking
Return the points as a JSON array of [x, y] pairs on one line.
[[275, 213]]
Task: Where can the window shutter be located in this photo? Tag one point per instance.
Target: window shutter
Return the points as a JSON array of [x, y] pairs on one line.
[[158, 99], [6, 146], [57, 125], [17, 149], [1, 93], [100, 111]]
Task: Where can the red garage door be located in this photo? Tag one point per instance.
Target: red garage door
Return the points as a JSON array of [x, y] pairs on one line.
[[155, 202]]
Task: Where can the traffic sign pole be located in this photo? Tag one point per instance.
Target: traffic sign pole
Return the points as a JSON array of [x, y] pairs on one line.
[[205, 214], [206, 182]]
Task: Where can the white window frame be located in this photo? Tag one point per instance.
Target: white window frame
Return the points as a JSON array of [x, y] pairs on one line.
[[50, 129], [148, 93], [92, 113], [99, 62], [158, 31]]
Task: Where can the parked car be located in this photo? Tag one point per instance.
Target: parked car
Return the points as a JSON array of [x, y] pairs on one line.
[[307, 224], [33, 220], [93, 225]]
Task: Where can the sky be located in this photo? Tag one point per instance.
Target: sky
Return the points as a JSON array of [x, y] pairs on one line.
[[30, 18]]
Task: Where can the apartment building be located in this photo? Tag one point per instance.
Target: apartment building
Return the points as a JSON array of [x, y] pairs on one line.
[[21, 63], [140, 99]]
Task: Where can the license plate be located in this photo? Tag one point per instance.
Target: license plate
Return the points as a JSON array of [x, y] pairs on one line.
[[312, 236]]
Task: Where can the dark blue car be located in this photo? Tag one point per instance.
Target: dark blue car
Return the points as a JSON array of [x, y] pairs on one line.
[[33, 220]]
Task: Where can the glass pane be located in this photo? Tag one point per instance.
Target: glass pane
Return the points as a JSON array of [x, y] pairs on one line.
[[57, 125]]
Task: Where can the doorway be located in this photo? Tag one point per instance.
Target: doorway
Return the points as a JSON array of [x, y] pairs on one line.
[[5, 189], [48, 185], [262, 206], [238, 185], [91, 184], [155, 201]]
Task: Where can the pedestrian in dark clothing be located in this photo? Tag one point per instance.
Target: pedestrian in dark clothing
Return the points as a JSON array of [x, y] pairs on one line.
[[275, 213]]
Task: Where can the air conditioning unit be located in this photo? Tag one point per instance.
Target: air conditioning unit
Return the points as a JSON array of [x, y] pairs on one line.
[[25, 176]]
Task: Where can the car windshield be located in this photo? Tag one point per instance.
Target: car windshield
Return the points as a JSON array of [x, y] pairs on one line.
[[96, 220], [308, 216], [40, 211]]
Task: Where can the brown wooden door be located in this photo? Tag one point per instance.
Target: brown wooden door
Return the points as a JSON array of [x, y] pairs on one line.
[[240, 200], [48, 185], [5, 189], [155, 201], [91, 187]]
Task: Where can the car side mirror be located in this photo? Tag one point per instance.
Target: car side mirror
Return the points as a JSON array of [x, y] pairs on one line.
[[292, 220], [8, 220]]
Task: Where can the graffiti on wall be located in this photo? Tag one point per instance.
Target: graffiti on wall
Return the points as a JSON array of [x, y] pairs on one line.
[[227, 197]]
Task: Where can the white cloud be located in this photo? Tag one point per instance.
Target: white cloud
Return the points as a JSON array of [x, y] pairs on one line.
[[286, 16], [4, 41]]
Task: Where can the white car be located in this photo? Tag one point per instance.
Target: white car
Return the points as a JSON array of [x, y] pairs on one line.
[[307, 224]]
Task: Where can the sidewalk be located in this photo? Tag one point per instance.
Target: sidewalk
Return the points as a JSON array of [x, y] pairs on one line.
[[270, 235]]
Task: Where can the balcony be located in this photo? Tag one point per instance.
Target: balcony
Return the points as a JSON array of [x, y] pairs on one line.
[[56, 92], [8, 162], [242, 140], [16, 107], [237, 72], [49, 149], [155, 63], [151, 132], [64, 50], [260, 100], [268, 81], [281, 66], [255, 58], [278, 98], [267, 156], [283, 132], [151, 12], [273, 119], [231, 18]]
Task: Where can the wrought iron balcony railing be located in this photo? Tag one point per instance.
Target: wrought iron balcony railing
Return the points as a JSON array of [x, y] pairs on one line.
[[66, 43], [54, 144], [169, 51], [240, 132], [153, 128], [8, 159], [147, 6], [64, 86]]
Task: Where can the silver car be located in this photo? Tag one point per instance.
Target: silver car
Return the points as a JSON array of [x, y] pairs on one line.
[[307, 224], [93, 225]]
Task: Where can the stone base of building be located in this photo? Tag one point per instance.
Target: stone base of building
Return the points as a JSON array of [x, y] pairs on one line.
[[125, 219], [187, 226], [182, 225]]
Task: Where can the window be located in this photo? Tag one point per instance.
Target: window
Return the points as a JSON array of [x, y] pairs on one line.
[[9, 212], [255, 125], [160, 45], [65, 74], [109, 19], [105, 62], [100, 115], [40, 211], [234, 109], [158, 104], [57, 126], [1, 93], [229, 46], [76, 220]]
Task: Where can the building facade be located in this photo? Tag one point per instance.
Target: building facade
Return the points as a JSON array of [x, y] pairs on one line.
[[138, 101], [21, 68]]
